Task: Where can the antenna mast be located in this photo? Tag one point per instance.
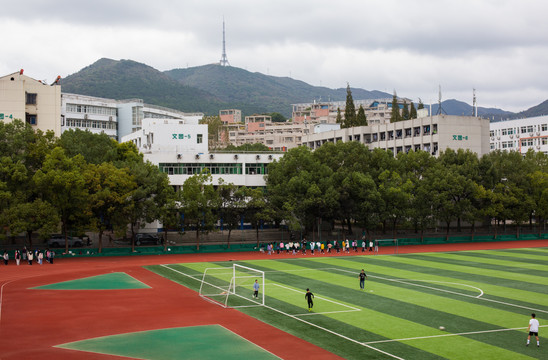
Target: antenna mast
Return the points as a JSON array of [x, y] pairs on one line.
[[224, 59], [475, 104], [440, 109]]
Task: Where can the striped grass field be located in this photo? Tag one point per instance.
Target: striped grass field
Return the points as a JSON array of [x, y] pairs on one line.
[[482, 301]]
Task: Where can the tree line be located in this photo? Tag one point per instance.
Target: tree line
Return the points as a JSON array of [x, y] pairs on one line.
[[89, 182]]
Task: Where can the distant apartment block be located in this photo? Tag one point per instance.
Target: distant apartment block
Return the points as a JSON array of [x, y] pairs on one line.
[[520, 135], [231, 116], [32, 101]]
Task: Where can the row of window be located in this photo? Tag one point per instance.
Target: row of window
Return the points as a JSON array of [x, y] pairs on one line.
[[91, 124], [512, 144], [520, 130], [91, 109], [213, 168], [405, 133], [431, 148]]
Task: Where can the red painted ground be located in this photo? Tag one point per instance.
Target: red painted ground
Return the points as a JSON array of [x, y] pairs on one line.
[[33, 321]]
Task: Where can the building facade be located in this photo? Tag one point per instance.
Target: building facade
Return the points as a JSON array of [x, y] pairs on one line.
[[32, 101], [93, 114], [431, 133], [230, 116], [520, 135], [180, 149]]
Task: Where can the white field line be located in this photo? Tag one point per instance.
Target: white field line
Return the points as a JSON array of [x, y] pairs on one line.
[[453, 292], [2, 296], [260, 347], [319, 297], [309, 323], [443, 335]]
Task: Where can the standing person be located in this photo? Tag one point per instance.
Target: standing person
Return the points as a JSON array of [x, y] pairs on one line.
[[309, 298], [24, 254], [303, 246], [17, 257], [347, 246], [51, 256], [533, 329], [256, 289], [364, 245], [281, 247], [30, 257], [370, 245], [6, 257], [312, 244], [40, 257], [362, 277]]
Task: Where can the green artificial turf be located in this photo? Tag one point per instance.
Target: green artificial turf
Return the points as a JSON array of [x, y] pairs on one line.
[[483, 299], [110, 281]]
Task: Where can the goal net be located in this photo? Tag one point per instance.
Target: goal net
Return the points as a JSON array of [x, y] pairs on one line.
[[390, 245], [233, 286]]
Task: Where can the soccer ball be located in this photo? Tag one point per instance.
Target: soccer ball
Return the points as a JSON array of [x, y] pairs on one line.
[[442, 328]]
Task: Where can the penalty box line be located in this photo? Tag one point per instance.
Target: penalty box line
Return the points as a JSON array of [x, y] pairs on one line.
[[309, 323], [352, 309], [445, 335]]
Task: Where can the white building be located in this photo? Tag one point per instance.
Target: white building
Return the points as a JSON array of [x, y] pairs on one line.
[[96, 115], [430, 133], [520, 135], [180, 148]]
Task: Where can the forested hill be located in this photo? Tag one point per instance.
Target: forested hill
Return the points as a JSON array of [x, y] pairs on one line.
[[127, 79], [245, 89]]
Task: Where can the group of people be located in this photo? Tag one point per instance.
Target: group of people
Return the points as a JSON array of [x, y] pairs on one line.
[[30, 256], [322, 247]]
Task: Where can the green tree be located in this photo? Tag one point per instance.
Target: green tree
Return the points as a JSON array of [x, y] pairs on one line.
[[231, 206], [109, 190], [94, 148], [215, 130], [257, 209], [361, 119], [198, 202], [349, 110], [412, 111], [62, 183], [405, 111], [395, 114], [339, 120], [33, 217], [277, 117], [421, 105]]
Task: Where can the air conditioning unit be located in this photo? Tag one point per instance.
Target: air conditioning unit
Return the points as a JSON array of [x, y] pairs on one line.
[[511, 136], [197, 156], [258, 157], [269, 157], [179, 156], [211, 156], [110, 118], [236, 157], [85, 116]]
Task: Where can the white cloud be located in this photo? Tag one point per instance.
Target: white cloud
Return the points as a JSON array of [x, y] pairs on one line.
[[499, 47]]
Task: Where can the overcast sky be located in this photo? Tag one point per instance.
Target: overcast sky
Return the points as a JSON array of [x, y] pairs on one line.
[[498, 47]]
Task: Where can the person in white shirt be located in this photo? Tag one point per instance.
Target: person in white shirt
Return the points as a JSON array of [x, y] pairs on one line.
[[533, 329]]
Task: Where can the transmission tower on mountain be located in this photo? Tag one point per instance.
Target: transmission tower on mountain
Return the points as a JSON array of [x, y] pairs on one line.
[[224, 59]]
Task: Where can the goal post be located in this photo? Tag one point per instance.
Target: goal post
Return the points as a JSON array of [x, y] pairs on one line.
[[233, 286], [386, 242]]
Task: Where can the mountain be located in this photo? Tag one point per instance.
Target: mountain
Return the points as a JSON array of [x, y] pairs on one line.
[[259, 93], [127, 79], [456, 107], [539, 110]]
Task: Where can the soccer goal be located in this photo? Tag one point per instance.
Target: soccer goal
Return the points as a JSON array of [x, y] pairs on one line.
[[386, 242], [232, 286]]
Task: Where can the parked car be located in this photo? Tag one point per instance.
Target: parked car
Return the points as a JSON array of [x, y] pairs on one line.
[[58, 240], [147, 239]]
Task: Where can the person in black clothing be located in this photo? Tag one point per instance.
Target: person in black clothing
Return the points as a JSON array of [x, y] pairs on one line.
[[309, 296], [362, 277]]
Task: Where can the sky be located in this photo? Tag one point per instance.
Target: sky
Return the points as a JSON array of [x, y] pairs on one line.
[[413, 47]]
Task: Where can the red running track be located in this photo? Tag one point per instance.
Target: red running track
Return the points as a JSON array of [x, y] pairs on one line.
[[33, 321]]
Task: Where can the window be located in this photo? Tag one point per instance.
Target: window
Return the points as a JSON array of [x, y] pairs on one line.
[[426, 129], [544, 127], [408, 132], [504, 131], [523, 129], [383, 136], [544, 141], [31, 119], [31, 98]]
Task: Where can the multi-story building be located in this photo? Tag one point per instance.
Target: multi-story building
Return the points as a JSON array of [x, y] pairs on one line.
[[30, 100], [180, 149], [430, 133], [377, 111], [96, 115], [520, 135], [230, 116], [132, 112]]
